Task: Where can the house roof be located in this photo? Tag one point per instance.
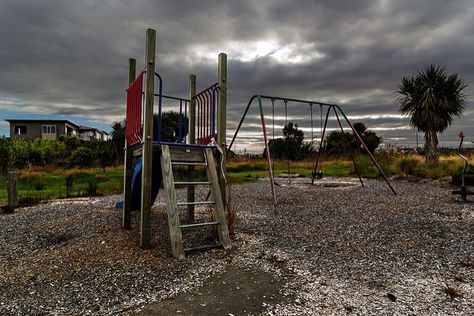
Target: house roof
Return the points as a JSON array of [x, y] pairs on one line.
[[45, 121], [88, 128]]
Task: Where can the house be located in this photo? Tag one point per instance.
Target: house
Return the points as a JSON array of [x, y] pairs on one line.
[[51, 129], [90, 133]]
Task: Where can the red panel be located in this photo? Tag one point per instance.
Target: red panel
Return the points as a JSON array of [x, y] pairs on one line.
[[133, 128]]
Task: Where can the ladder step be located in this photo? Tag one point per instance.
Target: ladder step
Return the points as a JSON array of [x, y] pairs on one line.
[[199, 224], [187, 163], [195, 203], [203, 247], [192, 183]]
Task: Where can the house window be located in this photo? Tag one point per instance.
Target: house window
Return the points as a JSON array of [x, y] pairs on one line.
[[20, 130], [48, 129]]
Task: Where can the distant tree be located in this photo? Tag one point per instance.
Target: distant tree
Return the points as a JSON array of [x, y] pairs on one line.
[[277, 148], [170, 126], [118, 139], [335, 144], [370, 138], [336, 140], [291, 146], [432, 98]]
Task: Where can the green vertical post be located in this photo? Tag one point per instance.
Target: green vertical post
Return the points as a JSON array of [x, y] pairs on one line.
[[192, 140], [147, 142], [222, 117], [127, 164]]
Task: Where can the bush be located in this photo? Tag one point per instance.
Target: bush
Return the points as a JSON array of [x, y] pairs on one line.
[[18, 153], [4, 156], [468, 176], [39, 184], [82, 157], [408, 165], [366, 166], [91, 189], [41, 152], [69, 183]]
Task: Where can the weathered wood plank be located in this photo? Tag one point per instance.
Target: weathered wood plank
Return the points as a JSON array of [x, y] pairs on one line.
[[222, 119], [171, 207], [187, 154], [147, 156], [219, 212], [12, 191]]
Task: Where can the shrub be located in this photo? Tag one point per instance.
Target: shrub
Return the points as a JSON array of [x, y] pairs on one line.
[[4, 156], [41, 152], [39, 184], [18, 153], [91, 189], [69, 183], [407, 165], [365, 166], [468, 176], [82, 157]]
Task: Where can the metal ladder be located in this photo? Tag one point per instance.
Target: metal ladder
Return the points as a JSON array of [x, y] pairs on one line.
[[191, 156]]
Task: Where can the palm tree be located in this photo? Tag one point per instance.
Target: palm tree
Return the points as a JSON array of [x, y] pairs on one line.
[[432, 98]]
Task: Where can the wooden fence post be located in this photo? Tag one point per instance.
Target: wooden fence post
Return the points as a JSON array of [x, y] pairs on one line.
[[147, 142], [12, 192], [222, 117]]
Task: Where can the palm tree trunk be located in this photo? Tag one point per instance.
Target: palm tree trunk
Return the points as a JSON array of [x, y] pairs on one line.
[[431, 146]]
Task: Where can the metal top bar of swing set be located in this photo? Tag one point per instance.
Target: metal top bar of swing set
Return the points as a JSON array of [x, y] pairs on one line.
[[335, 106]]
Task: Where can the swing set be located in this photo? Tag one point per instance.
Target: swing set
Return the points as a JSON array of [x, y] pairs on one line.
[[317, 173]]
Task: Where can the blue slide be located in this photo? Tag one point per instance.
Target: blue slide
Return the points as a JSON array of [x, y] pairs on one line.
[[137, 182]]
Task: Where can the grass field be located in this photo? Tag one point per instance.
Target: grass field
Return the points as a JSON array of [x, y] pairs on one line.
[[49, 182]]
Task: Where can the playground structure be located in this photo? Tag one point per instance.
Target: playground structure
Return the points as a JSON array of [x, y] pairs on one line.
[[155, 156], [199, 140], [316, 173], [463, 192]]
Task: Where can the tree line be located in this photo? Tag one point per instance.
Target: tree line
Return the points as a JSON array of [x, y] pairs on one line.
[[293, 147]]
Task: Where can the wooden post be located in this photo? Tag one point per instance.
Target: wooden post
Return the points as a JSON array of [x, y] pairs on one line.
[[192, 140], [171, 207], [127, 164], [12, 192], [219, 210], [147, 142], [222, 117]]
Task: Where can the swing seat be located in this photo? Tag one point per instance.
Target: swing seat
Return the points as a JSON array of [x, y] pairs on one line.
[[318, 175]]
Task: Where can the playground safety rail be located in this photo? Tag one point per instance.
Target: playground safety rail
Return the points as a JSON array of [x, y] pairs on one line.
[[206, 105]]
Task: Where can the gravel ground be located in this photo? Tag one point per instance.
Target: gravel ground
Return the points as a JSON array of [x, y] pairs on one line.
[[330, 250]]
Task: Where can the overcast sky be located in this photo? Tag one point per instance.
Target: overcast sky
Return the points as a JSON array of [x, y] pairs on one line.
[[68, 58]]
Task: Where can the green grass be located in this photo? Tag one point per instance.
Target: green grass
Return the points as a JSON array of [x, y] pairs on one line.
[[49, 182]]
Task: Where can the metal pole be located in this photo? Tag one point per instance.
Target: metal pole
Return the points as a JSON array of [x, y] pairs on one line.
[[312, 133], [127, 164], [320, 147], [349, 148], [366, 150], [192, 140], [147, 142], [267, 154]]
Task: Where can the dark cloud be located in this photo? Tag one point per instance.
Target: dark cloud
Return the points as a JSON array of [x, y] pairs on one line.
[[70, 57]]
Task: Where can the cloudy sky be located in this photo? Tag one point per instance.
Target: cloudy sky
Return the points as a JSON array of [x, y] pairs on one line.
[[68, 59]]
